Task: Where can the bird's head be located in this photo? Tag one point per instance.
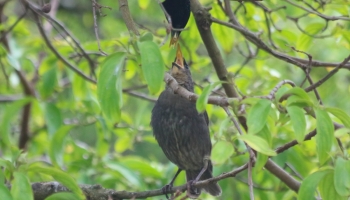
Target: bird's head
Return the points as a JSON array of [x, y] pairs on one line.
[[180, 70]]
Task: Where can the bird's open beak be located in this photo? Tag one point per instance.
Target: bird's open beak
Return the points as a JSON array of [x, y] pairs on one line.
[[179, 58]]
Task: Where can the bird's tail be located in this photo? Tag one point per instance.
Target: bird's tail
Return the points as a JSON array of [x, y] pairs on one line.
[[212, 188]]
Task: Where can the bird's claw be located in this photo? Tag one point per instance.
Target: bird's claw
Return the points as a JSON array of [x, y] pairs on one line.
[[191, 188], [167, 189]]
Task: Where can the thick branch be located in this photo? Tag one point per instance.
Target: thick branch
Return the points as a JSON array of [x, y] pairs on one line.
[[203, 21], [97, 192], [129, 22]]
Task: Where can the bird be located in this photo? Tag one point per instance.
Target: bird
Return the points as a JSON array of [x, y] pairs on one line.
[[183, 133], [179, 12]]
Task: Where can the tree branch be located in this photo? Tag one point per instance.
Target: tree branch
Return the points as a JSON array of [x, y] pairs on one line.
[[97, 192], [57, 54], [129, 22]]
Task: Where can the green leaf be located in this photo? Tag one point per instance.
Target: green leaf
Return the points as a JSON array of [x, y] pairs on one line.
[[341, 132], [327, 188], [221, 152], [57, 142], [129, 175], [324, 136], [60, 176], [109, 90], [144, 4], [63, 196], [297, 118], [260, 162], [203, 97], [21, 188], [342, 176], [152, 65], [53, 118], [48, 82], [305, 40], [308, 186], [146, 37], [5, 163], [5, 192], [258, 144], [141, 165], [341, 115], [298, 92], [261, 158], [9, 113], [298, 101], [257, 117]]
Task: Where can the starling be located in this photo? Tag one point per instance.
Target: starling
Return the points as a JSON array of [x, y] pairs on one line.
[[183, 133], [179, 11]]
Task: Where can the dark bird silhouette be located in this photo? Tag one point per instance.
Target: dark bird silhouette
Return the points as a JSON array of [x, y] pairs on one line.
[[179, 11], [183, 133]]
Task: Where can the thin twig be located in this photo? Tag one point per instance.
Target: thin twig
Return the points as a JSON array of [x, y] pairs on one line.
[[13, 25], [58, 55], [331, 18], [94, 5], [329, 75]]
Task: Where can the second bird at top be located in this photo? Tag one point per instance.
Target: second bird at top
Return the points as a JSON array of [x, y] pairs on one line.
[[179, 11]]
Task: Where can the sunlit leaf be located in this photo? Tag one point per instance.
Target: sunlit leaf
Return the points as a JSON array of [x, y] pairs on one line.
[[324, 136], [258, 144], [123, 143], [257, 116], [152, 65], [21, 188], [341, 132], [222, 151], [308, 186], [341, 115], [297, 118], [144, 3], [305, 40], [109, 88], [342, 176]]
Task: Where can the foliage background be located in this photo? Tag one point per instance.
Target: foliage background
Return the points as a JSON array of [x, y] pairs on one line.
[[68, 130]]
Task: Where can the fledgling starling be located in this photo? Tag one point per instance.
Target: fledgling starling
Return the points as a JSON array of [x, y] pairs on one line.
[[179, 11], [183, 133]]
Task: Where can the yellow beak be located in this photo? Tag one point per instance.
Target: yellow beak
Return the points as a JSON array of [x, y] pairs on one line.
[[179, 58]]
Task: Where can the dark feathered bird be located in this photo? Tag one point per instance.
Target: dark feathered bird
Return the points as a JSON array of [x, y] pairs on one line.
[[179, 11], [183, 133]]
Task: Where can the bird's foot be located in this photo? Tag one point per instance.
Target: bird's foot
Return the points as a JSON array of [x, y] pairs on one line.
[[167, 189], [191, 188]]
